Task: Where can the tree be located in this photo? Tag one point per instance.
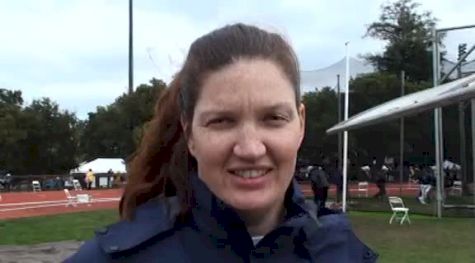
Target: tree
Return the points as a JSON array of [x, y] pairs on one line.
[[51, 142], [374, 89], [10, 131], [374, 141], [408, 37], [115, 130], [37, 139], [321, 113]]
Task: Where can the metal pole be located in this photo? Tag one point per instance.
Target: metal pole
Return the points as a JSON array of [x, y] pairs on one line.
[[339, 118], [401, 138], [461, 59], [131, 49], [454, 28], [437, 119], [472, 120], [461, 108], [345, 133], [463, 151]]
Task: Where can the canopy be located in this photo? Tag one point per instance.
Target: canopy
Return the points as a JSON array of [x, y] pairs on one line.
[[101, 165], [326, 77], [438, 96]]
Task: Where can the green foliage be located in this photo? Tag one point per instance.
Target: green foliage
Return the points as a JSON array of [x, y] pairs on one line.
[[408, 36], [373, 89], [116, 130], [51, 139], [11, 133], [321, 114], [379, 140], [42, 139], [37, 139]]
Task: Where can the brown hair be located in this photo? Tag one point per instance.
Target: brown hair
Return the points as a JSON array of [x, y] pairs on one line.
[[162, 164]]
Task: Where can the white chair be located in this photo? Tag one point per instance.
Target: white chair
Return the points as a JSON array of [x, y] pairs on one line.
[[72, 200], [77, 186], [456, 188], [36, 186], [362, 188], [400, 211], [84, 199]]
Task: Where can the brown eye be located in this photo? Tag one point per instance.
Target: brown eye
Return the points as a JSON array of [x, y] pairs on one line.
[[219, 122], [276, 119]]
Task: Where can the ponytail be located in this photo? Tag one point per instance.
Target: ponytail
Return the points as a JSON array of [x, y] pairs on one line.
[[160, 165]]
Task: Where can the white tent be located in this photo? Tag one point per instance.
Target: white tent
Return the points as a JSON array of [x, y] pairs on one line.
[[101, 165]]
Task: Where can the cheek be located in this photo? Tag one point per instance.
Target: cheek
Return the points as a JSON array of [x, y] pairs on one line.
[[285, 150], [283, 147], [216, 147], [211, 146]]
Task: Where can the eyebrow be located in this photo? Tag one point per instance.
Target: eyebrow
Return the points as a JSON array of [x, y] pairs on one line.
[[213, 112], [281, 106]]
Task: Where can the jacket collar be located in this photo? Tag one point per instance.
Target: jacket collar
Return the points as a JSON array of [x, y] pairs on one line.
[[204, 199], [150, 219], [222, 223], [216, 218]]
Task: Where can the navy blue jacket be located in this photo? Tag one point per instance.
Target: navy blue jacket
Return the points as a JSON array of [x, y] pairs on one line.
[[215, 233]]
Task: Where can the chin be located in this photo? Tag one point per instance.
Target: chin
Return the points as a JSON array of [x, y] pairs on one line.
[[249, 204]]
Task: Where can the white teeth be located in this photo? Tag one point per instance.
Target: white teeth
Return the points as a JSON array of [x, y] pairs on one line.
[[250, 173]]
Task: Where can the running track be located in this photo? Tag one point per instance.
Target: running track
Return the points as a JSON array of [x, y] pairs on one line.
[[29, 204]]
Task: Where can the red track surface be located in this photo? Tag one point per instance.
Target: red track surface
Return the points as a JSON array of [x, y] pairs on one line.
[[28, 204], [15, 205]]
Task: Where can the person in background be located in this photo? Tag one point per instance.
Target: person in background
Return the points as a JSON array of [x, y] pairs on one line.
[[110, 178], [212, 180], [89, 178], [380, 179], [425, 184], [319, 181]]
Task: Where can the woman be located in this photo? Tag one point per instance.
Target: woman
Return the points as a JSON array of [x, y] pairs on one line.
[[212, 179]]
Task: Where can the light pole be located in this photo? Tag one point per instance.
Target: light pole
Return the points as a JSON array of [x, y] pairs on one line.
[[339, 118], [131, 48], [345, 133]]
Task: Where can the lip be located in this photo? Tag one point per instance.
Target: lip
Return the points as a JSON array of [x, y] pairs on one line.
[[255, 183], [238, 168]]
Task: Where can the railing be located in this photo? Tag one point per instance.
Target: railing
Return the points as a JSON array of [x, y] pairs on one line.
[[17, 183]]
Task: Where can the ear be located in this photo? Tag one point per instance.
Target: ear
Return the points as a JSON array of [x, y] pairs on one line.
[[301, 112], [188, 137]]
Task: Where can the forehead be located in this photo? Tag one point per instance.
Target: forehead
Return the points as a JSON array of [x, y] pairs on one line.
[[250, 82]]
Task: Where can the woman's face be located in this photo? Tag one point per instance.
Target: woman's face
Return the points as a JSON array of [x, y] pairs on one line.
[[245, 134]]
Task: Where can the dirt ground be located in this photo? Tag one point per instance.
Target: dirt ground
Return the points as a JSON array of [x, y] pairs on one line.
[[40, 253]]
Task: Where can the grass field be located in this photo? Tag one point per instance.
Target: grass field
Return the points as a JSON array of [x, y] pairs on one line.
[[33, 230], [426, 240], [374, 205]]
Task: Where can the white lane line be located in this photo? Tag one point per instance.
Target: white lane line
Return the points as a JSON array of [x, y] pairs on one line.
[[63, 203]]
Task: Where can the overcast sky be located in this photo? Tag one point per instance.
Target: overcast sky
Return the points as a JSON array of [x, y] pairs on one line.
[[76, 51]]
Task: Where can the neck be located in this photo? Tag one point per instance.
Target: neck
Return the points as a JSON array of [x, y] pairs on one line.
[[259, 223]]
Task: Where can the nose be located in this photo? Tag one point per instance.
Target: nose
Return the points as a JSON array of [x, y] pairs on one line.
[[249, 144]]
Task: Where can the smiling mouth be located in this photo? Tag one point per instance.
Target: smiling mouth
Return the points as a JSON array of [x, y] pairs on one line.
[[250, 173]]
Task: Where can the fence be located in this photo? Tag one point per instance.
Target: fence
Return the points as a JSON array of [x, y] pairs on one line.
[[16, 183]]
